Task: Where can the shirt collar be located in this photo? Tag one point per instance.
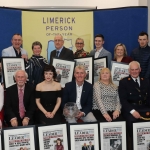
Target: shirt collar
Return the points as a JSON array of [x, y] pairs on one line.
[[79, 85], [99, 50], [59, 50], [138, 79], [22, 88]]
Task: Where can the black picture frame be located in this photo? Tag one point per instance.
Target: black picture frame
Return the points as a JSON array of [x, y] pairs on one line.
[[9, 66], [21, 136], [87, 62]]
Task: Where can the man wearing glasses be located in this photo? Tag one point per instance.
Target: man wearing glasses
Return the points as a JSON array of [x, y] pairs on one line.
[[100, 51], [80, 52], [61, 52]]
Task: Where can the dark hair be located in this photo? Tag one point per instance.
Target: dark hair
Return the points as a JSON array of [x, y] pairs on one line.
[[58, 139], [100, 35], [50, 68], [36, 43], [143, 33], [16, 34]]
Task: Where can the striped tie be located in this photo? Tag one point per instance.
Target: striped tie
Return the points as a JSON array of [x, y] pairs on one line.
[[21, 105]]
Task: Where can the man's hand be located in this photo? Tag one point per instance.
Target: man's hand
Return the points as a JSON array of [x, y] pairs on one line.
[[80, 114], [115, 114], [14, 122], [107, 117], [24, 56], [25, 121], [136, 115]]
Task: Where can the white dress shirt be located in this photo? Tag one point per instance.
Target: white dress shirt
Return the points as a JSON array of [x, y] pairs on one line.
[[79, 93], [98, 52]]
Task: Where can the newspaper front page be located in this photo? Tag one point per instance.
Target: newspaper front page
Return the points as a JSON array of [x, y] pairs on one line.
[[112, 138]]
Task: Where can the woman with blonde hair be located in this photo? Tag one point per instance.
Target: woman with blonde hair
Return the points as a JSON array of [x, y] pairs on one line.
[[120, 54], [106, 103]]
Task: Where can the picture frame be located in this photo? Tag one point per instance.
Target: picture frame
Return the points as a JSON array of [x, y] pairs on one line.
[[113, 135], [141, 135], [99, 63], [118, 71], [84, 134], [87, 62], [64, 69], [19, 137], [49, 135], [9, 66]]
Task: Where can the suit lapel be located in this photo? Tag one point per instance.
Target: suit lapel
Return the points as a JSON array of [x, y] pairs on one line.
[[83, 91], [25, 94], [13, 51], [101, 53], [62, 53], [75, 91], [16, 94]]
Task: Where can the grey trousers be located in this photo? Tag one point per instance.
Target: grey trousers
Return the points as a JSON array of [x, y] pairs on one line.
[[88, 118]]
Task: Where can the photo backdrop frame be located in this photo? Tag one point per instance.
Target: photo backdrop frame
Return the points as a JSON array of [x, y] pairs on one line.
[[141, 135], [99, 63], [83, 133], [109, 130], [64, 69], [87, 62], [9, 66], [17, 137], [50, 134], [118, 71]]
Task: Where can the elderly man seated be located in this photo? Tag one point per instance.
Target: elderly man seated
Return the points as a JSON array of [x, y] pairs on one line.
[[80, 92], [19, 105], [134, 93]]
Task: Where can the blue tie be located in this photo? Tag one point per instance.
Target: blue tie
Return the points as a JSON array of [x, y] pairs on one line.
[[57, 54]]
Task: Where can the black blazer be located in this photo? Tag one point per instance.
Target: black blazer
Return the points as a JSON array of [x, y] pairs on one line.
[[70, 94], [128, 93], [65, 54], [11, 105]]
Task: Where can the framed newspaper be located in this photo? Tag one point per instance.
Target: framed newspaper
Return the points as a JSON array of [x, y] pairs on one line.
[[19, 137], [53, 137], [141, 136], [84, 136], [113, 136], [87, 62], [118, 71], [64, 70], [99, 63], [9, 66]]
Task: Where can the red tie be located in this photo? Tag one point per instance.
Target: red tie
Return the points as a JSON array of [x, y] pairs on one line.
[[21, 105]]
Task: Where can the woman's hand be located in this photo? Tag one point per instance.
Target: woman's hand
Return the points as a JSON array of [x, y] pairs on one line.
[[116, 114], [52, 114], [107, 117]]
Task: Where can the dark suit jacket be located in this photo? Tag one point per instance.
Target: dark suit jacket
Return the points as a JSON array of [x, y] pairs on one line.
[[65, 54], [128, 94], [11, 106], [70, 94], [92, 148], [84, 148]]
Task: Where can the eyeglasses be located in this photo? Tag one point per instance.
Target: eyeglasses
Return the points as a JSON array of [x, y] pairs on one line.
[[79, 43], [57, 40]]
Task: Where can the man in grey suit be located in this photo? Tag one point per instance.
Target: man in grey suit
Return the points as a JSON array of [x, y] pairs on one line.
[[100, 51], [15, 50]]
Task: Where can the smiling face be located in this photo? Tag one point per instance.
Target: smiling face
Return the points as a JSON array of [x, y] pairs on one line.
[[105, 75], [16, 41], [48, 75], [134, 69], [99, 42], [79, 44], [20, 78], [80, 75], [37, 50], [143, 41], [119, 51], [58, 41]]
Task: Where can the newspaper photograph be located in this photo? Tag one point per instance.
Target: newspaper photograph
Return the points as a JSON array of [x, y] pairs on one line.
[[19, 141], [113, 136], [64, 71], [143, 138], [53, 140]]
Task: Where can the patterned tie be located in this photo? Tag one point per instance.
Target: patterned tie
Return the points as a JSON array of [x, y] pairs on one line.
[[21, 105], [137, 84], [57, 54]]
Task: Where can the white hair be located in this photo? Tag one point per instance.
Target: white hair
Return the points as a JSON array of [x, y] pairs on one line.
[[134, 62], [21, 70]]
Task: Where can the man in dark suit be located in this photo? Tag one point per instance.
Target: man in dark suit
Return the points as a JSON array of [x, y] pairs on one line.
[[80, 92], [61, 52], [84, 147], [90, 147], [134, 93], [19, 105]]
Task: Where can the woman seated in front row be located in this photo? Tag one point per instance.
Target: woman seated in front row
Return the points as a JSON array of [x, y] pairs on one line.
[[48, 98], [106, 103], [120, 54]]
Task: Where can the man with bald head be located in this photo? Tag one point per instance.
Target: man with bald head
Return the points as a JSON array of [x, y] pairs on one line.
[[134, 93], [61, 52], [19, 105]]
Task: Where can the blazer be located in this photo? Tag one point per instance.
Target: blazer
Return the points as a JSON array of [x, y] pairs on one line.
[[11, 105], [102, 54], [129, 93], [125, 59], [65, 54], [10, 52], [70, 94]]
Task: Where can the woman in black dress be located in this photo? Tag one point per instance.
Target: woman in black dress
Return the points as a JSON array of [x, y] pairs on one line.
[[48, 98]]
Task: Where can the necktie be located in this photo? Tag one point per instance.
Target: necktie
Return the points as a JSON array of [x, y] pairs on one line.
[[21, 105], [137, 84], [57, 53]]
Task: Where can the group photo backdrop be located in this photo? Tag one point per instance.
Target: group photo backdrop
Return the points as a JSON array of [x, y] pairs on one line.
[[118, 25]]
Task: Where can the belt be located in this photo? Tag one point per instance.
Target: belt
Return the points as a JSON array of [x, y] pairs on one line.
[[140, 102]]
